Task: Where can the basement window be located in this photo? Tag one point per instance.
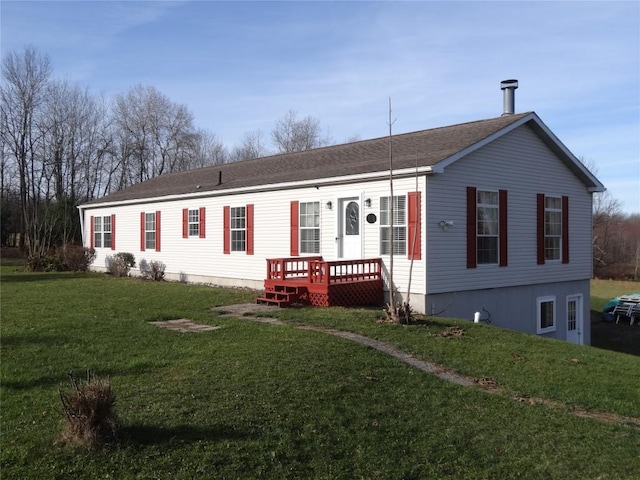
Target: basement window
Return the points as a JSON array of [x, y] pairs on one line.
[[546, 316]]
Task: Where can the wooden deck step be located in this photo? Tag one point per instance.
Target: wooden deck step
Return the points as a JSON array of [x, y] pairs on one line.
[[280, 295], [271, 301]]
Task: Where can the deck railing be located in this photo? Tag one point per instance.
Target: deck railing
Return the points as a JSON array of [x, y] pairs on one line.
[[289, 268], [316, 270]]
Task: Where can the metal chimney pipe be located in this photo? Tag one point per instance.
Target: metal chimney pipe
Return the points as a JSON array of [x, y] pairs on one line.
[[508, 88]]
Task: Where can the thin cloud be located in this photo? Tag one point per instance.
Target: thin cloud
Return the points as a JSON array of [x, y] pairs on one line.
[[238, 66]]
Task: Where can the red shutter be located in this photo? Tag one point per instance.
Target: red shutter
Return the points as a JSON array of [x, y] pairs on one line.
[[249, 213], [565, 229], [294, 235], [502, 195], [415, 232], [157, 230], [185, 223], [540, 228], [91, 230], [203, 222], [226, 222], [113, 231], [142, 236], [472, 247]]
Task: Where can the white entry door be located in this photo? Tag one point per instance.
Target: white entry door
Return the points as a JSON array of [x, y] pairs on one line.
[[574, 319], [349, 236]]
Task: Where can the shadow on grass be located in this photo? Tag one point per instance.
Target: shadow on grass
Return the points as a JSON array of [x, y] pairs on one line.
[[24, 277], [618, 337], [154, 435], [62, 379], [22, 340]]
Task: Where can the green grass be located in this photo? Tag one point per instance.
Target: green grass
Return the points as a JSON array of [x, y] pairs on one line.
[[604, 290], [253, 400]]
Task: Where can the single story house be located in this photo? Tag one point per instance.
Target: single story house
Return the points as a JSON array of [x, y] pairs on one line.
[[490, 219]]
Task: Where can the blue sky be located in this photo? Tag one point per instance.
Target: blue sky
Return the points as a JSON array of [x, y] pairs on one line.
[[239, 66]]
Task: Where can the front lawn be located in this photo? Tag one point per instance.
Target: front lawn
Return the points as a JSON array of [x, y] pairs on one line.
[[254, 400]]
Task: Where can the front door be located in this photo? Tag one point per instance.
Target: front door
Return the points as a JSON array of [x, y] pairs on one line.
[[574, 319], [350, 241]]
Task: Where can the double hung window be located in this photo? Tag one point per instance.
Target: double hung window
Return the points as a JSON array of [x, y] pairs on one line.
[[238, 229], [488, 227], [102, 232], [309, 227], [552, 227], [150, 230], [193, 221], [393, 236]]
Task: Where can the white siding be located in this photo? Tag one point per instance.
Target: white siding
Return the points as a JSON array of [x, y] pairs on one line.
[[521, 164], [518, 162], [202, 259]]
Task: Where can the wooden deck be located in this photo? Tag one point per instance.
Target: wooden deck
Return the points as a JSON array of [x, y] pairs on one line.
[[314, 281]]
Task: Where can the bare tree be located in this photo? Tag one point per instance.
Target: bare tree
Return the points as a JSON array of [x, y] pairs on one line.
[[26, 77], [153, 135], [209, 150], [252, 146], [293, 135]]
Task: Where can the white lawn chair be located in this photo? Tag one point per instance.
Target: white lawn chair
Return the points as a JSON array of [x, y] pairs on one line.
[[624, 309]]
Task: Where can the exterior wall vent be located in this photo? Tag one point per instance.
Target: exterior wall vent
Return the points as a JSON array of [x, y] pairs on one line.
[[508, 88]]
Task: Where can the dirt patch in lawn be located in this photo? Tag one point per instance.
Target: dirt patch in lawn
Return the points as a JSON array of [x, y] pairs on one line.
[[184, 325], [251, 311]]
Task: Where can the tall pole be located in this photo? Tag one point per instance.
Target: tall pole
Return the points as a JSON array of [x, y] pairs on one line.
[[392, 301]]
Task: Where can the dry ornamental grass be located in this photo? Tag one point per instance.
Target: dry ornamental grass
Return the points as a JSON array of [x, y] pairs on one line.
[[89, 412]]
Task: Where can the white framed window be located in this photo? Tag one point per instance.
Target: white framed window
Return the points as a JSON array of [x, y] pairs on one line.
[[309, 227], [546, 314], [102, 232], [488, 226], [552, 227], [150, 230], [193, 220], [395, 237], [238, 229], [97, 232]]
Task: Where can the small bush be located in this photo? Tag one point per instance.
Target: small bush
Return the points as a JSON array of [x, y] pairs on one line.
[[154, 271], [89, 412], [120, 264], [76, 258], [49, 262]]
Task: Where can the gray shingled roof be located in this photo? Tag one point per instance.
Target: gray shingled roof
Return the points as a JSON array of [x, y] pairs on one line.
[[367, 156]]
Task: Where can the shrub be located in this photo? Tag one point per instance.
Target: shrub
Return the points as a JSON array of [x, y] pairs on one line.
[[49, 262], [154, 271], [76, 258], [73, 258], [89, 412], [120, 264]]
